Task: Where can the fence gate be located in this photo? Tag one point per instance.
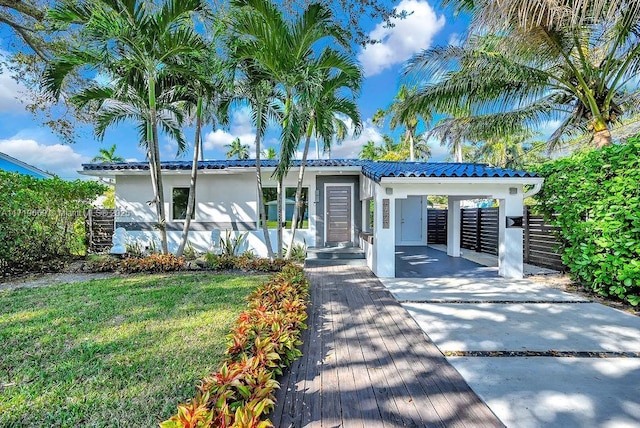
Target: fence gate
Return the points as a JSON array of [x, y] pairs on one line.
[[99, 226], [436, 226]]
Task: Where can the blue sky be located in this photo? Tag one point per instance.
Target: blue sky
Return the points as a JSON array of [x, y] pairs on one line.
[[22, 136]]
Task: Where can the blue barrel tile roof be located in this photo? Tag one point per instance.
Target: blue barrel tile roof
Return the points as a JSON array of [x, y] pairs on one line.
[[375, 170]]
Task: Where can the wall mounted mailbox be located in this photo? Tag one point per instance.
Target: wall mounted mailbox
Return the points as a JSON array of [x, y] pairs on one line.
[[515, 221]]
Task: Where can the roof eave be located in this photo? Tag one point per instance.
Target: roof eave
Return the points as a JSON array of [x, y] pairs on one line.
[[457, 180]]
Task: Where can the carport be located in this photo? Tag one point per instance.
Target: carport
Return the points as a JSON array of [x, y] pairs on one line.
[[398, 192]]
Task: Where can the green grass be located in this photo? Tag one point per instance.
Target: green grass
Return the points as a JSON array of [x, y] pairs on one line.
[[116, 352]]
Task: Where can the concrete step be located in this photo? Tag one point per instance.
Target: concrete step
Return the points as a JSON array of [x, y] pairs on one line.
[[335, 253], [335, 262]]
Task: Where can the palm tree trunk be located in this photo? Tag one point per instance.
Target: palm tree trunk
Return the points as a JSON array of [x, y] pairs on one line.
[[412, 149], [298, 206], [279, 216], [602, 135], [317, 148], [261, 209], [457, 150], [191, 201], [155, 149]]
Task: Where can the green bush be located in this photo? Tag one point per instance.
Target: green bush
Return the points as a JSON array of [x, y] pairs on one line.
[[42, 220], [596, 198]]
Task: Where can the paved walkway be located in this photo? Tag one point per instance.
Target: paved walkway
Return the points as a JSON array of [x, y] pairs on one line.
[[539, 357], [366, 363]]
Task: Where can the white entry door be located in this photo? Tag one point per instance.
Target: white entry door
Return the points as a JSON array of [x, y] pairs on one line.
[[411, 220]]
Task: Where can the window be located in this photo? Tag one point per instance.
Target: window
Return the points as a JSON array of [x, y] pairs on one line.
[[180, 198], [303, 213], [271, 206]]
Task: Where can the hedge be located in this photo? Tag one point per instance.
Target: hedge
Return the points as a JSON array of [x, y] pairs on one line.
[[595, 196], [42, 220]]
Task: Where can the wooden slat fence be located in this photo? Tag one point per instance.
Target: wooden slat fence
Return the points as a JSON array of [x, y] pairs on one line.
[[437, 226], [479, 232], [99, 226], [540, 242]]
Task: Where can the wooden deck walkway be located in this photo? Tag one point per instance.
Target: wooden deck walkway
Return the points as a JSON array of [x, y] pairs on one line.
[[366, 363]]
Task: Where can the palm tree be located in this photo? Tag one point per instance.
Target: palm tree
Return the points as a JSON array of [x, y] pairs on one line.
[[539, 70], [204, 90], [506, 151], [421, 148], [452, 133], [324, 100], [237, 149], [140, 48], [107, 156], [284, 51], [370, 151], [401, 113], [270, 154], [262, 95]]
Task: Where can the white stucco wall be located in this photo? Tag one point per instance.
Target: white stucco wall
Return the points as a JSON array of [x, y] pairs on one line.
[[222, 200]]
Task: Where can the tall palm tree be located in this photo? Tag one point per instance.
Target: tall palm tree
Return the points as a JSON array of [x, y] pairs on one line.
[[263, 98], [284, 50], [535, 71], [324, 100], [401, 113], [138, 46], [237, 149], [204, 89], [107, 155]]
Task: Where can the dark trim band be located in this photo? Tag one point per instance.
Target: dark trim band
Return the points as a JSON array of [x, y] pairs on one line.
[[196, 226]]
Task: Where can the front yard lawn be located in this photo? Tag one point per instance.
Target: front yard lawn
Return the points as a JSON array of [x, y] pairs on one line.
[[115, 352]]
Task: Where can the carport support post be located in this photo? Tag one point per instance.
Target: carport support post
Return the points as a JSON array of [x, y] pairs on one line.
[[384, 239], [510, 249], [453, 228]]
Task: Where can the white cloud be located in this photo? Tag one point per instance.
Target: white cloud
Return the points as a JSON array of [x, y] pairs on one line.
[[350, 148], [398, 43], [240, 128], [439, 153], [9, 94], [57, 158]]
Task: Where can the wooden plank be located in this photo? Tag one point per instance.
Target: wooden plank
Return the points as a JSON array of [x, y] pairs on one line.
[[331, 410]]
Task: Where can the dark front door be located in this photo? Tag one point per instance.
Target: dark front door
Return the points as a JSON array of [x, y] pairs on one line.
[[338, 214]]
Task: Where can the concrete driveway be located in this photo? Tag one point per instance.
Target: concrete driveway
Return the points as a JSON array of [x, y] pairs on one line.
[[539, 357]]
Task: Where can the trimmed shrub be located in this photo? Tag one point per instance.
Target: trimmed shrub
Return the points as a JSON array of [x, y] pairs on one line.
[[596, 198], [153, 263], [245, 262], [263, 341], [42, 221]]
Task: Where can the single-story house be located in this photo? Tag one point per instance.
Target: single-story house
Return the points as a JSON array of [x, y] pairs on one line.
[[11, 164], [373, 205]]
